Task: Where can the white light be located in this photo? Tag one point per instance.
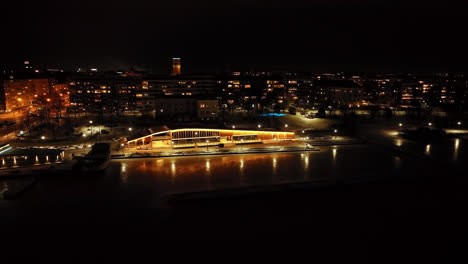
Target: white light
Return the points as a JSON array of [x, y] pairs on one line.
[[21, 132], [42, 137], [428, 149], [233, 127], [286, 125], [84, 135], [122, 144], [400, 124], [302, 131], [430, 124], [89, 146], [90, 121], [335, 131], [5, 149], [458, 123], [259, 126], [129, 129]]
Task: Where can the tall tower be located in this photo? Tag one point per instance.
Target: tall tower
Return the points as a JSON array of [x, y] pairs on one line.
[[175, 66]]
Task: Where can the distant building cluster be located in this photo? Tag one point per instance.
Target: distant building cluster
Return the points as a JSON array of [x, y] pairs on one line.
[[187, 97]]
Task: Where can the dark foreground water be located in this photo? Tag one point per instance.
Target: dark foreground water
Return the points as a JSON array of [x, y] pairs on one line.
[[144, 181], [360, 199]]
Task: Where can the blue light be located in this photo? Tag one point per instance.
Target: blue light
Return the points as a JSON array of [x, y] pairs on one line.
[[272, 114]]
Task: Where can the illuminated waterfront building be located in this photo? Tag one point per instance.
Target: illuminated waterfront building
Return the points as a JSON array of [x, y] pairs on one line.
[[200, 137]]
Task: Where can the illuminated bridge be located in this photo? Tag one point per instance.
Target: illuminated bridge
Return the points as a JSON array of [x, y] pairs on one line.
[[194, 137]]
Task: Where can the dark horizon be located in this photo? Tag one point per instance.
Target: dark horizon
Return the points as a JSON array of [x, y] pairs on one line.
[[332, 35]]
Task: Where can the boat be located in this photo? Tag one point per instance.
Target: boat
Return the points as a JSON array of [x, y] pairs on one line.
[[96, 160]]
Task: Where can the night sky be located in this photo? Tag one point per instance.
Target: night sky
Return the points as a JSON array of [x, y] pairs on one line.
[[352, 35]]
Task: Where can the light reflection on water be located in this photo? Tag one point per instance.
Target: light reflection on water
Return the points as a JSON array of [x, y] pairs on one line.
[[143, 180], [173, 169], [181, 174], [399, 142], [455, 150], [123, 173], [428, 149]]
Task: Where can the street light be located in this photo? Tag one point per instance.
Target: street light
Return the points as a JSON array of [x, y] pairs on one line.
[[286, 125], [123, 149], [84, 134], [259, 126], [129, 129], [207, 144], [430, 124], [242, 142], [459, 123], [91, 122], [233, 127], [400, 124], [43, 137]]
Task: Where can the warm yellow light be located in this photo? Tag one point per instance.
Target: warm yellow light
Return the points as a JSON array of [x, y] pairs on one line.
[[48, 99]]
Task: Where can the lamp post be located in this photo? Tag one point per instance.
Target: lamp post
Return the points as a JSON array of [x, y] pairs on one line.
[[91, 123], [459, 123], [233, 127], [259, 126], [123, 148], [130, 129], [207, 144], [335, 131]]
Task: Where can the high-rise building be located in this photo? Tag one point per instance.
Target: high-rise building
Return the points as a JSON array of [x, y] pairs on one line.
[[175, 66], [26, 92], [103, 92], [162, 86], [35, 94]]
